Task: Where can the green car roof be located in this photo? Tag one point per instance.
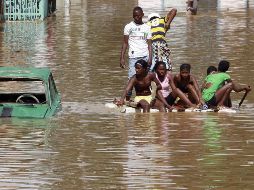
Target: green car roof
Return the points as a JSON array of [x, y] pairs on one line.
[[49, 101], [25, 72]]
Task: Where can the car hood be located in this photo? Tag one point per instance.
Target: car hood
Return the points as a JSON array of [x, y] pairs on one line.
[[24, 110]]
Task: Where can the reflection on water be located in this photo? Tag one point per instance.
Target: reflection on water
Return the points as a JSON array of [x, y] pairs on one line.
[[23, 40], [24, 149], [87, 146], [230, 4]]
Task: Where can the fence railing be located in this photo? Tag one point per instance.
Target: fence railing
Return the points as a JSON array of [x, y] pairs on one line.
[[1, 9], [25, 9]]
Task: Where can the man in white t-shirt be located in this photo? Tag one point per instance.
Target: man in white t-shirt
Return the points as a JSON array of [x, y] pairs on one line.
[[137, 37]]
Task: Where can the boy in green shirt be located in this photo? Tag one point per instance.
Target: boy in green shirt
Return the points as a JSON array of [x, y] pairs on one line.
[[215, 91]]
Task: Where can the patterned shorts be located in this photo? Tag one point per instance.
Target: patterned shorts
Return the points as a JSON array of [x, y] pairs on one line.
[[161, 52]]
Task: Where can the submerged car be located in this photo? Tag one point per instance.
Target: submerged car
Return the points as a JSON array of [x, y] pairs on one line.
[[28, 92]]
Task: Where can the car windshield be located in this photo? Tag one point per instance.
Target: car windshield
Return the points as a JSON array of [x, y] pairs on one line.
[[22, 90], [17, 86]]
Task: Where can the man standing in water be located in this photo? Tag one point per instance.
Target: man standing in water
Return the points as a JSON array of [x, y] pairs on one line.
[[137, 37]]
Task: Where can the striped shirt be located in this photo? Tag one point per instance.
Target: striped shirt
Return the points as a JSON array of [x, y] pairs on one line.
[[158, 29]]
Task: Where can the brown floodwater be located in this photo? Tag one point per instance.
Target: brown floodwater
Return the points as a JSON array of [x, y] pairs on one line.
[[87, 146]]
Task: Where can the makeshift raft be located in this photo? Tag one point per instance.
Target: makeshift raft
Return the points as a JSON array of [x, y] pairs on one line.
[[132, 109]]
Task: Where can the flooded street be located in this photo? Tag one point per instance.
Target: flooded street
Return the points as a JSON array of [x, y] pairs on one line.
[[87, 146]]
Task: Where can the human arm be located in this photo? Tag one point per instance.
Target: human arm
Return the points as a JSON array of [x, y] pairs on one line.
[[149, 42], [159, 94], [240, 87], [203, 86], [178, 93], [123, 50], [196, 87], [163, 100], [154, 79], [128, 87], [175, 80], [169, 18], [171, 81]]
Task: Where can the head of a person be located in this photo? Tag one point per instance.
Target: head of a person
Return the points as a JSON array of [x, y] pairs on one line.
[[153, 16], [223, 66], [138, 15], [211, 69], [141, 66], [185, 70], [160, 68]]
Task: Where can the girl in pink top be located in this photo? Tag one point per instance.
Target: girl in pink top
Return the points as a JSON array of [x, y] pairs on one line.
[[169, 90]]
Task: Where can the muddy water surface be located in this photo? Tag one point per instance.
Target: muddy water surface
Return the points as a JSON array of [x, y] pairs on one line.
[[87, 146]]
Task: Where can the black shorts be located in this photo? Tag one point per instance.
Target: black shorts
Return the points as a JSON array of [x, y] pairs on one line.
[[170, 99], [212, 102], [184, 88]]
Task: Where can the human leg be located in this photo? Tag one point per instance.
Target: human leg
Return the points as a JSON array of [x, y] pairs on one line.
[[144, 105], [164, 102], [131, 73], [192, 6], [144, 102], [223, 93], [178, 93], [158, 104], [192, 94], [165, 55], [132, 70], [155, 55], [228, 102]]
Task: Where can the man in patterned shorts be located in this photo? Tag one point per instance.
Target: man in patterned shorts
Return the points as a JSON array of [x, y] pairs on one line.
[[159, 27]]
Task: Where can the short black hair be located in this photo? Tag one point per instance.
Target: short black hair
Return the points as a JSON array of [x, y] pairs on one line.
[[223, 66], [143, 63], [211, 69], [159, 63], [137, 8], [186, 67]]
